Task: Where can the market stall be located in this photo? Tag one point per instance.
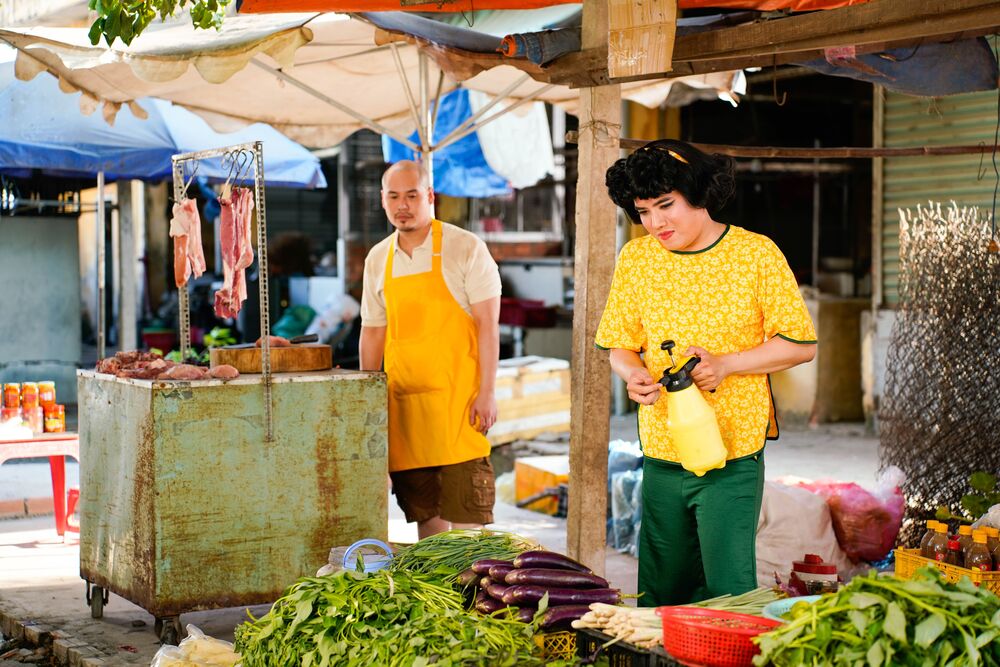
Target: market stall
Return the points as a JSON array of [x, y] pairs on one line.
[[202, 488]]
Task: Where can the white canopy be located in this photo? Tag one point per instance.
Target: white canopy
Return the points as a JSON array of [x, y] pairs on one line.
[[316, 78]]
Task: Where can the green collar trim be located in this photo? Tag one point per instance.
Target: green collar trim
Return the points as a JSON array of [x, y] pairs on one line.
[[696, 252]]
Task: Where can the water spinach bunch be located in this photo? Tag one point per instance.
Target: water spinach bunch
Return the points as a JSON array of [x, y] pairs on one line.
[[878, 621], [448, 554], [394, 619]]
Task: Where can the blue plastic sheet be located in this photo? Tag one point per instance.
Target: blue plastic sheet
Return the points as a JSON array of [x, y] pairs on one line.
[[928, 70], [460, 169], [44, 129]]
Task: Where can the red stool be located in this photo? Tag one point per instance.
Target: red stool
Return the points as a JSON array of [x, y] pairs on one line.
[[72, 498]]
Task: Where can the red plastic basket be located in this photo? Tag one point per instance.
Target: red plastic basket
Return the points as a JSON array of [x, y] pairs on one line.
[[711, 637]]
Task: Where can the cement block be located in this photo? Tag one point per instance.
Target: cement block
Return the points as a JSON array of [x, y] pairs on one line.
[[37, 634]]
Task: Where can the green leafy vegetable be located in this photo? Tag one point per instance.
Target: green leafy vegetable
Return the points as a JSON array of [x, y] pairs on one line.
[[882, 620], [447, 554], [353, 619]]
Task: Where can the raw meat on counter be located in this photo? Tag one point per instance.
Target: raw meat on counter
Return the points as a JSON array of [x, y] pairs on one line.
[[237, 251], [185, 228], [276, 341], [183, 372], [223, 372], [137, 365]]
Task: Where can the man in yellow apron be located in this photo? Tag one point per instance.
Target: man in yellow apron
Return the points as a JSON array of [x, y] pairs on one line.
[[430, 311]]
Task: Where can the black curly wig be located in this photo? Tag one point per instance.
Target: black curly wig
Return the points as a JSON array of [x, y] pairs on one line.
[[666, 165]]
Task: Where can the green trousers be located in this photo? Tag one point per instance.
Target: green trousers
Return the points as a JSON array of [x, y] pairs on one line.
[[697, 538]]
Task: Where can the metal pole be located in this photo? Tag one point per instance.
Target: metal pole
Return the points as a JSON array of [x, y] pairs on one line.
[[427, 120], [101, 332], [815, 223]]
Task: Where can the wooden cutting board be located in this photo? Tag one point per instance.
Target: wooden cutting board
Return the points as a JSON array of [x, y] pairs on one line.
[[303, 357]]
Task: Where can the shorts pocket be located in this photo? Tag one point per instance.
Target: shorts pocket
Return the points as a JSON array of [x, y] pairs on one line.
[[483, 492]]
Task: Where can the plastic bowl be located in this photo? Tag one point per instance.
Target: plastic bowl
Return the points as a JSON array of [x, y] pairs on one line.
[[774, 610]]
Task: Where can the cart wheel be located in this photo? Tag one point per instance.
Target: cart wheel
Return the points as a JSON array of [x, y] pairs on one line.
[[168, 629], [97, 599]]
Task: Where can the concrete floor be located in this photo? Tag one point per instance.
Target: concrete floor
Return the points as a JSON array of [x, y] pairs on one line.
[[39, 573]]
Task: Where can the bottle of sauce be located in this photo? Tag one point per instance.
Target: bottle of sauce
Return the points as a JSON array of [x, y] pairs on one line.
[[992, 539], [931, 523], [954, 553], [29, 396], [978, 556], [965, 538], [937, 548], [55, 419]]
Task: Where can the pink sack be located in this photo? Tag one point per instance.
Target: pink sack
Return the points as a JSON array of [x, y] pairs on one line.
[[866, 524]]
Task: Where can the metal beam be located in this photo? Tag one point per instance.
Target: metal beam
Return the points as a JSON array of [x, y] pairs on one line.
[[361, 118]]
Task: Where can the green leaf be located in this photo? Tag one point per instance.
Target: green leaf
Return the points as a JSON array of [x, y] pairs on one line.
[[929, 629], [875, 654], [125, 23], [975, 505], [895, 623], [987, 637], [859, 620], [865, 600], [943, 513], [983, 481], [96, 29]]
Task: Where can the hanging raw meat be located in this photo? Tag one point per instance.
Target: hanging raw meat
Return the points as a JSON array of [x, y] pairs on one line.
[[237, 251], [185, 228]]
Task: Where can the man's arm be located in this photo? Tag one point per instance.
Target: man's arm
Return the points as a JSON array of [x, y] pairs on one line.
[[487, 316], [371, 347]]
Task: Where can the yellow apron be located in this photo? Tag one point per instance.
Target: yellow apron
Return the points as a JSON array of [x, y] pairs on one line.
[[432, 362]]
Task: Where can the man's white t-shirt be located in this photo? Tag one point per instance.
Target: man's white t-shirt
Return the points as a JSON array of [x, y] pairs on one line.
[[469, 270]]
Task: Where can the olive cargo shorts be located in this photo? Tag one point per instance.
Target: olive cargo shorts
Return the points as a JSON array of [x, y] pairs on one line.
[[459, 493]]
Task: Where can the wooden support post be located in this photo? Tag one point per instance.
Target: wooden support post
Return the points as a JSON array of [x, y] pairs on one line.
[[600, 127], [640, 36]]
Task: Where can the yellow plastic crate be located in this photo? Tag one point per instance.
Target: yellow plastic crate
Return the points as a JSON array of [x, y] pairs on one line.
[[557, 645], [908, 560]]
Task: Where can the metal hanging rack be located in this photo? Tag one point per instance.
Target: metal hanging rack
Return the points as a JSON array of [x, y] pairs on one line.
[[240, 159]]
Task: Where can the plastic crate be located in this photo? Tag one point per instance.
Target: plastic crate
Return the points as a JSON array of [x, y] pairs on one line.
[[556, 645], [908, 560], [526, 313], [590, 645]]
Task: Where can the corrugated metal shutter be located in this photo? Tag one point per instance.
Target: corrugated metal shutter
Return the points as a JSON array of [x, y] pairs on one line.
[[908, 181]]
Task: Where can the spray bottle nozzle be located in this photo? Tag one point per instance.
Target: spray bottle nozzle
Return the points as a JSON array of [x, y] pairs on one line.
[[668, 346]]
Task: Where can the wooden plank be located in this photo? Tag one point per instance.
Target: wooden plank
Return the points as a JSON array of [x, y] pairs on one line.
[[811, 153], [875, 21], [876, 26], [640, 36], [600, 127]]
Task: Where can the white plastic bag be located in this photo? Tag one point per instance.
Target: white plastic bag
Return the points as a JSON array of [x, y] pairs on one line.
[[197, 650]]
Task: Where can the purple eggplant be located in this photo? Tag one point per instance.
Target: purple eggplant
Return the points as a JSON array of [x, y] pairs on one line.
[[487, 605], [485, 582], [551, 577], [520, 595], [549, 559], [526, 614], [560, 618], [467, 578], [496, 591], [483, 566], [498, 572]]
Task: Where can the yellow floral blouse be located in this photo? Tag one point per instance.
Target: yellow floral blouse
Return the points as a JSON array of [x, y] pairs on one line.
[[730, 297]]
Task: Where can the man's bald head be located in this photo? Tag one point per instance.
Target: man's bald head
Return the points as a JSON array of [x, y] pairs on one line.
[[407, 197], [407, 166]]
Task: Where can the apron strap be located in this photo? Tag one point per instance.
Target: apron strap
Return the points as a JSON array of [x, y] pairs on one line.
[[436, 246]]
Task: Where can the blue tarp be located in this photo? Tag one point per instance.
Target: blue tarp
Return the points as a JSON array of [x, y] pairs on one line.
[[460, 170], [928, 70], [44, 129]]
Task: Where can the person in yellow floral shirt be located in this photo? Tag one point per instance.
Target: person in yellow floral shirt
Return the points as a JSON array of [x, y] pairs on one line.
[[727, 296]]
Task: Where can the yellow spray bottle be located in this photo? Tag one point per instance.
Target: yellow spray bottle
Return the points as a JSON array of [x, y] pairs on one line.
[[690, 419]]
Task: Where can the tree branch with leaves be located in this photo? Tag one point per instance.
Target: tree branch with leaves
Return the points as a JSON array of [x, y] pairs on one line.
[[126, 19]]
